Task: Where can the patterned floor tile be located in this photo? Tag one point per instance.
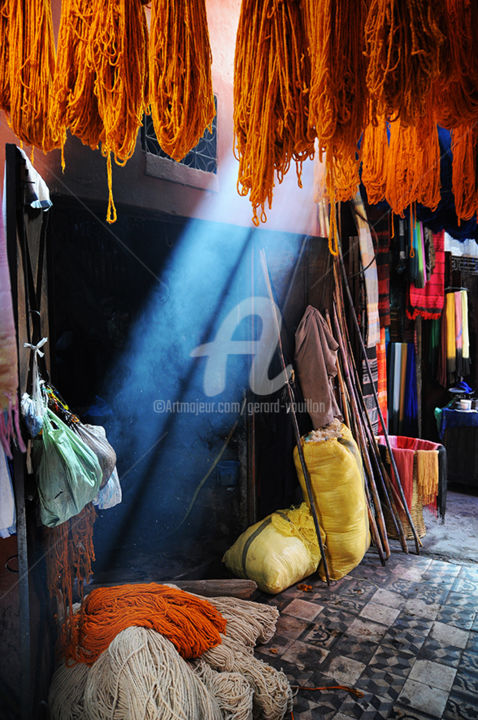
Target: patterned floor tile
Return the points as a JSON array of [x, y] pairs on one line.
[[449, 635], [305, 709], [385, 597], [291, 627], [344, 669], [276, 646], [469, 663], [424, 698], [324, 703], [472, 644], [469, 572], [466, 683], [430, 593], [446, 654], [432, 673], [391, 660], [460, 707], [322, 636], [405, 588], [304, 656], [462, 600], [465, 585], [295, 675], [303, 609], [419, 607], [407, 633], [364, 629], [352, 605], [362, 589], [355, 648], [379, 613], [459, 617], [369, 707], [400, 712], [384, 684]]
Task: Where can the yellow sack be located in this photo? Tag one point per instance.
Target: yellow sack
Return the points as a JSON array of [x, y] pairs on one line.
[[277, 551], [337, 479]]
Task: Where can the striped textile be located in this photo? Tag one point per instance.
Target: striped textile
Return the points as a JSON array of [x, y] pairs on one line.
[[382, 378], [367, 388], [428, 301], [367, 255], [382, 251]]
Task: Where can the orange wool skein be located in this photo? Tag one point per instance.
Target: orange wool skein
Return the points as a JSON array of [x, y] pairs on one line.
[[31, 65], [271, 80], [4, 53], [464, 170], [74, 103], [403, 40], [456, 92], [180, 84], [374, 159], [191, 623]]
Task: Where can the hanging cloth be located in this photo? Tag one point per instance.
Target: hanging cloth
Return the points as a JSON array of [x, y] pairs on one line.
[[428, 301], [403, 383], [9, 410], [450, 338], [458, 334], [367, 386], [7, 499], [383, 273], [441, 375], [369, 265], [466, 361], [411, 395], [382, 378], [316, 365], [434, 345]]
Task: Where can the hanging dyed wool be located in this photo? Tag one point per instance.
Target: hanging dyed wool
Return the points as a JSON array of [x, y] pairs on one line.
[[31, 67], [4, 51], [74, 103], [271, 80], [403, 39], [412, 168], [117, 56], [191, 623], [464, 145], [180, 85], [69, 557], [456, 92], [374, 160]]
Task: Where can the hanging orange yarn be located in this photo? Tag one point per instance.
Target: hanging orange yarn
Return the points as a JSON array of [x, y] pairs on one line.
[[4, 74], [180, 84], [465, 170], [456, 92], [412, 166], [271, 79], [74, 103], [69, 557], [191, 623], [374, 160], [31, 66], [403, 40]]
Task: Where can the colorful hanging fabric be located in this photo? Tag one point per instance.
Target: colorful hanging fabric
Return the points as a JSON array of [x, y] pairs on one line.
[[403, 385], [428, 301], [410, 415], [9, 410], [441, 375], [368, 386], [382, 379], [466, 361], [383, 258], [369, 265], [458, 334], [427, 475], [450, 338], [4, 53]]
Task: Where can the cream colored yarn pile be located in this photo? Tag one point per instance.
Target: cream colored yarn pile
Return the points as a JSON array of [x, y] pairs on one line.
[[141, 676]]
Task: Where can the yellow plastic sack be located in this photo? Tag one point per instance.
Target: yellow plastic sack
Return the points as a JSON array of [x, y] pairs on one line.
[[336, 474], [277, 551]]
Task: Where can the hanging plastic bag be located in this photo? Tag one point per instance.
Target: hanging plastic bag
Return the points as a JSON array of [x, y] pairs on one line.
[[95, 437], [110, 495], [68, 472], [33, 407]]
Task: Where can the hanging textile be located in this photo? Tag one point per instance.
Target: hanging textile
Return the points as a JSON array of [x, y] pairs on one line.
[[458, 334], [428, 301], [450, 338], [434, 346], [427, 475], [9, 410], [441, 375], [7, 499], [466, 361], [403, 376], [368, 386], [383, 272], [382, 378], [410, 415], [369, 265], [316, 365]]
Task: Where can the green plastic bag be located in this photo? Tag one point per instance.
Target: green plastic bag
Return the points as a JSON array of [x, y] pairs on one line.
[[68, 472]]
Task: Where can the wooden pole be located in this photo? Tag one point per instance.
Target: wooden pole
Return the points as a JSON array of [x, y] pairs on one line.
[[293, 415]]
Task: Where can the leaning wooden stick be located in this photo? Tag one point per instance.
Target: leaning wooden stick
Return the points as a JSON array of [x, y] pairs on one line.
[[369, 372], [293, 415]]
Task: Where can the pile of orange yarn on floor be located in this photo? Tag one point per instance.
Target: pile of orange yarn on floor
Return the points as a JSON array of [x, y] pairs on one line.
[[191, 623]]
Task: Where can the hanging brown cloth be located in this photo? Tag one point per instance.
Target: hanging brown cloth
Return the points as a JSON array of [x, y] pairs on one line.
[[316, 365]]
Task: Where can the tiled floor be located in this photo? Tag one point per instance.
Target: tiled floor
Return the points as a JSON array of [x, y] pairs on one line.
[[405, 635]]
